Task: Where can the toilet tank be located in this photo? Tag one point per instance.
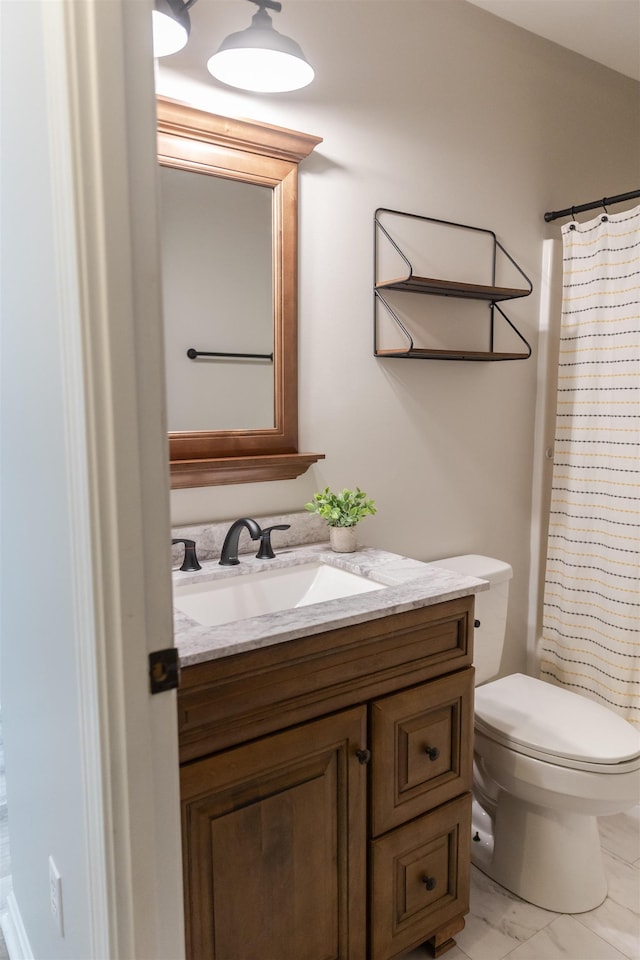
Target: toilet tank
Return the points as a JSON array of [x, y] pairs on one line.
[[490, 609]]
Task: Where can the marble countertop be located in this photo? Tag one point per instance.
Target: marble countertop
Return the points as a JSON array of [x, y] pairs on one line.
[[408, 584]]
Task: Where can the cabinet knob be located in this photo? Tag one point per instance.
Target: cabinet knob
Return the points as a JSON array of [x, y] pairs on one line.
[[429, 882], [432, 752], [363, 755]]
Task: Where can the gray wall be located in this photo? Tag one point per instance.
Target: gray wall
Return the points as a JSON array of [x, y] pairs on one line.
[[441, 109]]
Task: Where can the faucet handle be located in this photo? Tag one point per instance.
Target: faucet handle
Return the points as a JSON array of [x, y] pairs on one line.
[[266, 550], [190, 561]]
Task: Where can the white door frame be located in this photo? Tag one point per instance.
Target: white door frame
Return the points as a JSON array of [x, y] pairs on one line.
[[100, 54]]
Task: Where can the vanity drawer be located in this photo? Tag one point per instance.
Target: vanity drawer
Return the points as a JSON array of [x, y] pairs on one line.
[[420, 878], [422, 748]]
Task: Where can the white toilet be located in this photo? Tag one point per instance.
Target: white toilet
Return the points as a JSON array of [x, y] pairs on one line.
[[547, 762]]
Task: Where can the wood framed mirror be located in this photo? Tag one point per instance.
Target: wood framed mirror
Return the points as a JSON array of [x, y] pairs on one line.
[[232, 397]]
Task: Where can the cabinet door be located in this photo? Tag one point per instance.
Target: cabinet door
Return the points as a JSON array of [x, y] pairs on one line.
[[275, 846], [422, 749]]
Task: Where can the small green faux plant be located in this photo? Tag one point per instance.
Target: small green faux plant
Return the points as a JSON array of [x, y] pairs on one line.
[[341, 509]]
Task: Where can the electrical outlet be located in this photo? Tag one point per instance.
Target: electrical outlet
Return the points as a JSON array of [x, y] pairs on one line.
[[55, 895]]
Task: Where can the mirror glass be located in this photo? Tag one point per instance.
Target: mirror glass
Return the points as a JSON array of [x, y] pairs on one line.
[[229, 234], [217, 279]]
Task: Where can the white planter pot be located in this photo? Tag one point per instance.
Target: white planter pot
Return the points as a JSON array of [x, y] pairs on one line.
[[343, 539]]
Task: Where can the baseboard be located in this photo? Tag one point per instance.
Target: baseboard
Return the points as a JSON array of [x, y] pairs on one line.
[[15, 935]]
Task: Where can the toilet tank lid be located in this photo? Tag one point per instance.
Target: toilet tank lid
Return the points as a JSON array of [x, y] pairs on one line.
[[554, 721], [476, 565]]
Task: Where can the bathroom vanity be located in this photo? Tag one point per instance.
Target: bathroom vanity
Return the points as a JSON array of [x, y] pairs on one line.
[[326, 757]]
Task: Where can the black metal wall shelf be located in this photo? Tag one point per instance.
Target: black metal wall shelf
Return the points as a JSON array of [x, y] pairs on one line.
[[489, 293]]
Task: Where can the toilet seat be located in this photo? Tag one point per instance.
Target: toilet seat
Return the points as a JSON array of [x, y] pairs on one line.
[[555, 725]]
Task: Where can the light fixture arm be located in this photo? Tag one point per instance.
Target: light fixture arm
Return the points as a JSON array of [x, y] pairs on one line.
[[180, 7], [272, 4]]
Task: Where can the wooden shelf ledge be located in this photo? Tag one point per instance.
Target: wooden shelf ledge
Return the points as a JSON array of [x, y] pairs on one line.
[[245, 469], [425, 354], [452, 288]]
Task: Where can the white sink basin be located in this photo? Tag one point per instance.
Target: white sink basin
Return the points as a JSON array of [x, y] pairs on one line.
[[213, 602]]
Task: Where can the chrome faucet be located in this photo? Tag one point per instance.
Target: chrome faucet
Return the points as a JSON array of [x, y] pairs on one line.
[[229, 555]]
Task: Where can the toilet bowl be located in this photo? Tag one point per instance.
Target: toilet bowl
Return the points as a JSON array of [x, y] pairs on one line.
[[547, 763]]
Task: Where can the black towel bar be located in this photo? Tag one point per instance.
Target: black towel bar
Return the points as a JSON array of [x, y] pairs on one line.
[[194, 354]]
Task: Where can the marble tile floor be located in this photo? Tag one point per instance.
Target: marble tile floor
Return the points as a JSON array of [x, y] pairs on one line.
[[501, 926]]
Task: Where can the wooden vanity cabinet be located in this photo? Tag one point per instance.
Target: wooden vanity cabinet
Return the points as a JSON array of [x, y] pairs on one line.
[[325, 792]]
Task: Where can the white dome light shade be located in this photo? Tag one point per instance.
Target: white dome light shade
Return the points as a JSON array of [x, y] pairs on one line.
[[264, 71], [261, 59], [171, 26]]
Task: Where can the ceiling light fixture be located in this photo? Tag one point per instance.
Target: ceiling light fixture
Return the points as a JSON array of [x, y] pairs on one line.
[[171, 26], [261, 59]]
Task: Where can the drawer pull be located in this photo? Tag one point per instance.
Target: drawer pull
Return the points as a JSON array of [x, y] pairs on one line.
[[432, 752], [429, 882], [363, 755]]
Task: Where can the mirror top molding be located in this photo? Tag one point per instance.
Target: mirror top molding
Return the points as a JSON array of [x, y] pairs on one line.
[[253, 152], [249, 136]]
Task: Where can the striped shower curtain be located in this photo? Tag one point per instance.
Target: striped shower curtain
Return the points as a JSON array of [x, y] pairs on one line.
[[591, 622]]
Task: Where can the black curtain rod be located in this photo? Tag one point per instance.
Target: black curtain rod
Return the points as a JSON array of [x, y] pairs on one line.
[[606, 201]]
